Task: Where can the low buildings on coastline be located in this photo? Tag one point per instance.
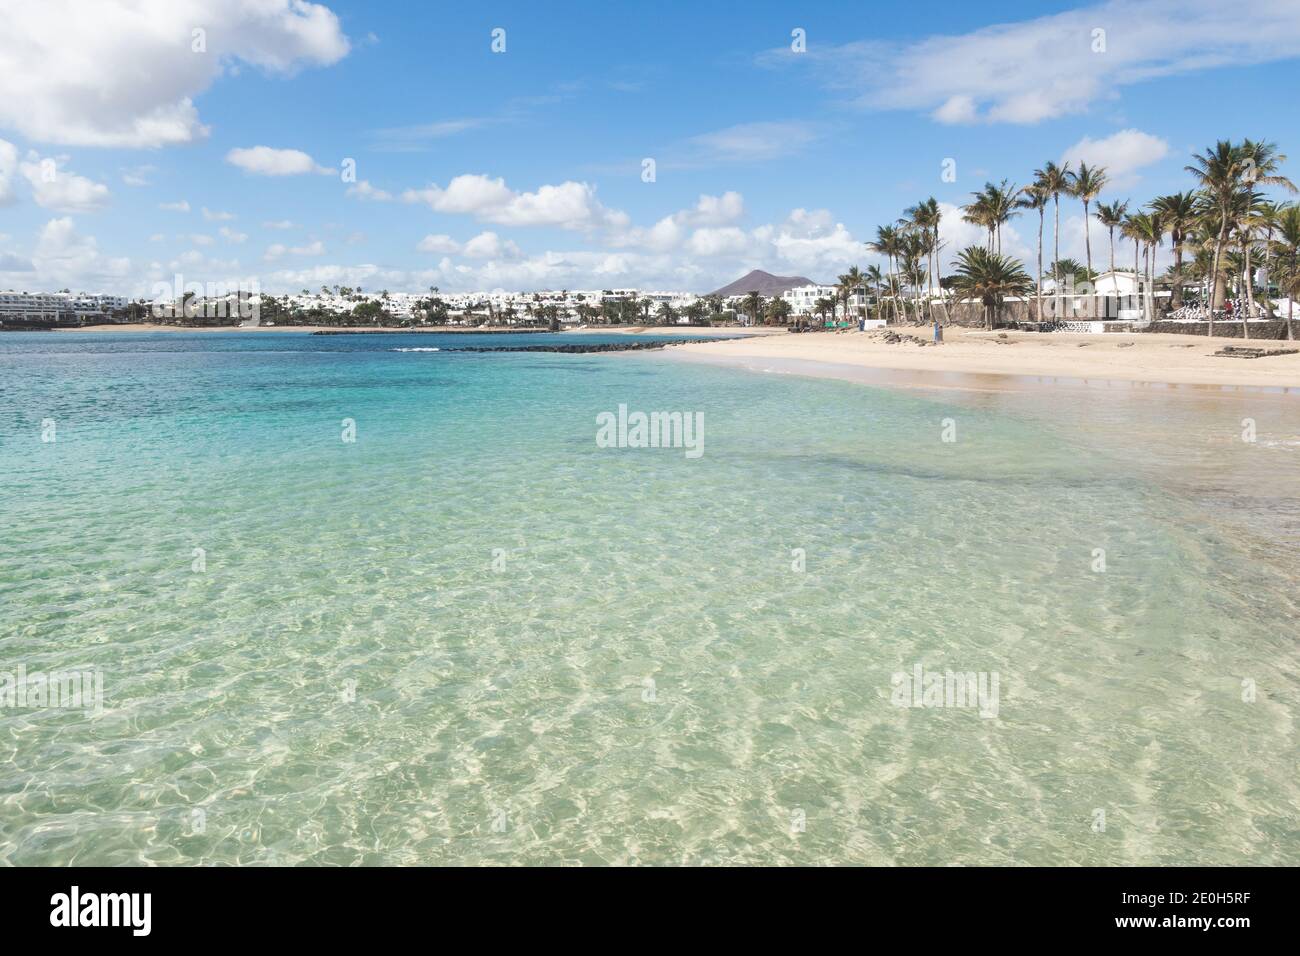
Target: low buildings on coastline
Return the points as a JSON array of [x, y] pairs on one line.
[[804, 300], [565, 307], [52, 309]]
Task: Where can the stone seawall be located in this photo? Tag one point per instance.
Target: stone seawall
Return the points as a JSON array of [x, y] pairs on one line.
[[1275, 329]]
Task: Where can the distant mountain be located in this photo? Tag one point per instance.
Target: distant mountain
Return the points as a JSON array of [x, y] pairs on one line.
[[764, 283]]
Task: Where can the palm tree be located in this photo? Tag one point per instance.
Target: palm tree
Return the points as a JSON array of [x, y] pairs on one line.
[[1269, 218], [1249, 214], [753, 305], [1054, 180], [886, 244], [849, 283], [924, 218], [876, 280], [1067, 268], [1110, 216], [1034, 196], [979, 213], [911, 251], [1179, 212], [1264, 161], [1086, 184], [778, 311], [1219, 172], [1290, 283], [1135, 228], [824, 306], [992, 207], [989, 277], [1147, 229], [1002, 207], [1287, 246]]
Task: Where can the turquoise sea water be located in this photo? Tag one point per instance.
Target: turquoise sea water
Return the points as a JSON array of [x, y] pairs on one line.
[[473, 636]]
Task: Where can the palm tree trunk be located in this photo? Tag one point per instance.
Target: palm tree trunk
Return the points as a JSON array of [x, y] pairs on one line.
[[1040, 263], [1214, 276], [1087, 238], [1155, 250], [1087, 245], [938, 274], [1177, 301], [1056, 251], [1138, 295], [1112, 265], [1250, 293]]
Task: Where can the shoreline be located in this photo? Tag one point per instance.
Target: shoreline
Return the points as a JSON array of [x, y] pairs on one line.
[[982, 361], [684, 330]]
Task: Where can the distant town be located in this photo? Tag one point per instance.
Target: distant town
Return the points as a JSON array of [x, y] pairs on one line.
[[757, 298]]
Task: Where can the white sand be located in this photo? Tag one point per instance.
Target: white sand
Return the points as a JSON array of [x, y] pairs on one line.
[[968, 357]]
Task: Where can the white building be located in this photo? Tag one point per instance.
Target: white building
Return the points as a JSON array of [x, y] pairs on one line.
[[57, 307], [803, 299]]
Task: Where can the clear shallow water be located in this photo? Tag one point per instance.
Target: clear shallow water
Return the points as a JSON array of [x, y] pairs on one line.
[[504, 714]]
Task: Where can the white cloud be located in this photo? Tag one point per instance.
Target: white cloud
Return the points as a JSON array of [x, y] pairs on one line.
[[363, 190], [64, 258], [279, 250], [55, 187], [754, 142], [231, 236], [488, 245], [441, 244], [124, 73], [280, 224], [669, 233], [217, 216], [570, 205], [266, 161], [8, 166], [1122, 153], [957, 109], [199, 239], [181, 206], [811, 240], [10, 263], [1033, 70], [725, 241], [197, 265]]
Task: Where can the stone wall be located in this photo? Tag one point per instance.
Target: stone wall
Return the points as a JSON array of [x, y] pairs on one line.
[[1229, 330]]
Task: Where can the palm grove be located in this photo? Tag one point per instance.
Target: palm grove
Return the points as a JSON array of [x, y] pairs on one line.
[[1221, 233]]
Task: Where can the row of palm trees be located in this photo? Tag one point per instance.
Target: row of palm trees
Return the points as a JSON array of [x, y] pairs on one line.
[[1219, 231]]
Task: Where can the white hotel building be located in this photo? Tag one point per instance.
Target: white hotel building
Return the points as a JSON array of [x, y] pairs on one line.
[[803, 299], [56, 307]]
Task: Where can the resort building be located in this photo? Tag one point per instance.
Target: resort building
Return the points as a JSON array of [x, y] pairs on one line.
[[57, 308], [803, 299]]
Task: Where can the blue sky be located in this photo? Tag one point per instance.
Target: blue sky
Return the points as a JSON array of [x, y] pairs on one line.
[[523, 169]]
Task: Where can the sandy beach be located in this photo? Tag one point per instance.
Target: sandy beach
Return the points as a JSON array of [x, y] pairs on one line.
[[979, 359]]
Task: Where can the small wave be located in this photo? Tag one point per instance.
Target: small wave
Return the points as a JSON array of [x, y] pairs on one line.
[[415, 350]]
